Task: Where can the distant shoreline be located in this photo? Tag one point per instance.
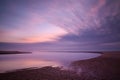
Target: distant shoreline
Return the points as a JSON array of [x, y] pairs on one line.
[[12, 52]]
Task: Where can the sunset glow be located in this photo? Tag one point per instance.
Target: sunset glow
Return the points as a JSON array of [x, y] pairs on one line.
[[91, 23], [59, 39]]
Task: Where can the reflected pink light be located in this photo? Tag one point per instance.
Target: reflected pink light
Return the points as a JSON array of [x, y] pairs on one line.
[[19, 64]]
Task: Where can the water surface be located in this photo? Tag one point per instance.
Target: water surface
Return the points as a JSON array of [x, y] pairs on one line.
[[40, 59]]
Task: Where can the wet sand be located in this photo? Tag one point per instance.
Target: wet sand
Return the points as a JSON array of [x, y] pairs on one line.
[[104, 67]]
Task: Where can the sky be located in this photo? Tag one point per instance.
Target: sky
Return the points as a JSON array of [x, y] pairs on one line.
[[60, 24]]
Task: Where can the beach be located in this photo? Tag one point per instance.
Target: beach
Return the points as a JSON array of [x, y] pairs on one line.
[[104, 67]]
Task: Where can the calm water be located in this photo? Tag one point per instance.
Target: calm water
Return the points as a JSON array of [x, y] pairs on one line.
[[40, 59]]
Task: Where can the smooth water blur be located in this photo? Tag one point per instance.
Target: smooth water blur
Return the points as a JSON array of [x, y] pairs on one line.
[[40, 59]]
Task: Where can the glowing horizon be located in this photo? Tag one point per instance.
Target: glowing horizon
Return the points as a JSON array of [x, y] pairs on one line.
[[42, 33]]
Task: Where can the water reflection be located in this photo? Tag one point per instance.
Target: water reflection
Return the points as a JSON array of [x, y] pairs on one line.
[[8, 65], [40, 59]]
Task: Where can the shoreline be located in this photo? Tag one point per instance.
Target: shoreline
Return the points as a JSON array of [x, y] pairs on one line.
[[104, 67]]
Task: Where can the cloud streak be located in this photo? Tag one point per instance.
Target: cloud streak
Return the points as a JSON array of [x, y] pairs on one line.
[[72, 22]]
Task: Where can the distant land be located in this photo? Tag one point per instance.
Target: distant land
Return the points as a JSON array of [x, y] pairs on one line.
[[12, 52]]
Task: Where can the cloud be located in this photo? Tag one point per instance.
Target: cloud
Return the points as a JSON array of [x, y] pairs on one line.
[[87, 22], [98, 18], [74, 15], [23, 22], [80, 15]]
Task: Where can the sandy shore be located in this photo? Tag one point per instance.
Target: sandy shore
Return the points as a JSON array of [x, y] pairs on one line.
[[104, 67]]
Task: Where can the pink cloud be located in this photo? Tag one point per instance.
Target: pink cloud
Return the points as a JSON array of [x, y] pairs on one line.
[[95, 9]]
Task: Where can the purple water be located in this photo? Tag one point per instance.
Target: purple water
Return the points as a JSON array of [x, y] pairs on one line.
[[40, 59]]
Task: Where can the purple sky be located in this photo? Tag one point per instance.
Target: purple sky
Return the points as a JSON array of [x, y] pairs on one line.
[[74, 24]]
